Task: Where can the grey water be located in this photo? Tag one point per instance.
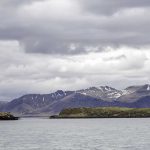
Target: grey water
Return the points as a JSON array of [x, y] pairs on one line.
[[75, 134]]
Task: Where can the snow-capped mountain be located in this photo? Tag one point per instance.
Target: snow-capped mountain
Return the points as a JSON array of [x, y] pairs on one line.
[[34, 102], [105, 93], [134, 93], [133, 89], [53, 103]]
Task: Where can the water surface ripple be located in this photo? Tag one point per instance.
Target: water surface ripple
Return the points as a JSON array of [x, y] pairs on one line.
[[75, 134]]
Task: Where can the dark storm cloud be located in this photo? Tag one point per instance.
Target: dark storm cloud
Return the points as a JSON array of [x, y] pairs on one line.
[[75, 26], [14, 3], [41, 42], [107, 7]]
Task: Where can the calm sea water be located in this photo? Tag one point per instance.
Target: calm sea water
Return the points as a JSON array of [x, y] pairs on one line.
[[75, 134]]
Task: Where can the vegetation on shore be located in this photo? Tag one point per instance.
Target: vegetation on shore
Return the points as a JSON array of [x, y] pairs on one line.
[[104, 112], [7, 116]]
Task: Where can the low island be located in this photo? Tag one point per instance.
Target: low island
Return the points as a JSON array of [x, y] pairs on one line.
[[7, 116], [103, 112]]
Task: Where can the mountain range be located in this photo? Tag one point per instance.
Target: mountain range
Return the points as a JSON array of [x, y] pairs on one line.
[[102, 96]]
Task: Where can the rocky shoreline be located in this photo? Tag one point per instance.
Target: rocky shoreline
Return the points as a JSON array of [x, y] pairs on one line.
[[7, 116]]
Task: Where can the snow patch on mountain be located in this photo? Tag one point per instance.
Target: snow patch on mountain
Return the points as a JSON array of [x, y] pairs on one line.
[[105, 93]]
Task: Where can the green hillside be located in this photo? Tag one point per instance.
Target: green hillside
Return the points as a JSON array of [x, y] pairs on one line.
[[104, 112]]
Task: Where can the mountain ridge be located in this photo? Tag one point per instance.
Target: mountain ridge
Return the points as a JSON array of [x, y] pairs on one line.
[[102, 96]]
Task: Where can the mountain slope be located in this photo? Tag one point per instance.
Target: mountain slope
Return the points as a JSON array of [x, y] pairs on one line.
[[135, 93], [105, 93], [103, 96], [2, 104], [30, 103], [75, 100]]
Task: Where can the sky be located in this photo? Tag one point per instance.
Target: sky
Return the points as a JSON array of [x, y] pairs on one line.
[[46, 45]]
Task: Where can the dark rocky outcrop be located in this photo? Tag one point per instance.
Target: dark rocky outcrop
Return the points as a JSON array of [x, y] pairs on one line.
[[7, 116]]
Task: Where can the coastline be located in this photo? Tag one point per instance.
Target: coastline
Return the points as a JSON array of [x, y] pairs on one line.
[[7, 116]]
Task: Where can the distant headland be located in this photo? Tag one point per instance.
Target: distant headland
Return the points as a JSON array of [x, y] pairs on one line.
[[103, 112]]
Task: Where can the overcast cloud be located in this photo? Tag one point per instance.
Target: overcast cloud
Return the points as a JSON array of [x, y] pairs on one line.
[[47, 45]]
